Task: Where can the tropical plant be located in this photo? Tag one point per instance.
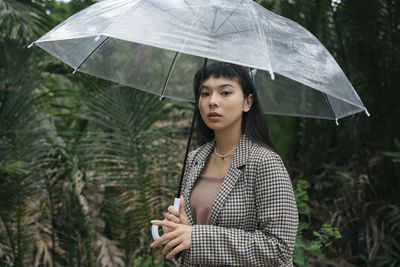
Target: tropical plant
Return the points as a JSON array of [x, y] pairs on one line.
[[394, 155], [21, 19], [134, 164], [391, 248], [321, 238], [28, 142]]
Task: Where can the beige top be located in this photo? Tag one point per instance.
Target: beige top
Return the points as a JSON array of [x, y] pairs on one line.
[[202, 198]]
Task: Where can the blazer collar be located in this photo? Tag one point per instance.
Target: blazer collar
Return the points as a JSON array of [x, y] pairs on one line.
[[241, 154], [237, 164]]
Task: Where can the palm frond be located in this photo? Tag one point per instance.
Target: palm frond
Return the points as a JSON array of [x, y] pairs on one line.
[[27, 142], [108, 253], [132, 159], [22, 20]]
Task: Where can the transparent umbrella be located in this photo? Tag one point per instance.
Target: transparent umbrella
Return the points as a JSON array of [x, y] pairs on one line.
[[157, 45]]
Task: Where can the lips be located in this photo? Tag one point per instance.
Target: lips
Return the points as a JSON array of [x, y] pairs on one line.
[[214, 116]]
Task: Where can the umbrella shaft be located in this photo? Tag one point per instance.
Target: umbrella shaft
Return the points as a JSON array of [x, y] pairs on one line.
[[178, 194]]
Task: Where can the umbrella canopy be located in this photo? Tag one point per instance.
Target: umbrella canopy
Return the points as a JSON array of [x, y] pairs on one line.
[[157, 45]]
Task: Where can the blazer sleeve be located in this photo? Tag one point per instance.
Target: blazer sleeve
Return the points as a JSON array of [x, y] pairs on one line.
[[272, 243]]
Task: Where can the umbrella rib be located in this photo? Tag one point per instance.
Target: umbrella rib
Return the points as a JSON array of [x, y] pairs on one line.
[[330, 108], [222, 24], [171, 14], [194, 14], [215, 18], [91, 53], [262, 35], [228, 33], [168, 75]]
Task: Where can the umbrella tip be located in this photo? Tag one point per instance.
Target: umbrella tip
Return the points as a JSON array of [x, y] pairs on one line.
[[337, 123], [97, 38], [272, 74], [74, 71], [366, 112], [252, 73], [29, 46]]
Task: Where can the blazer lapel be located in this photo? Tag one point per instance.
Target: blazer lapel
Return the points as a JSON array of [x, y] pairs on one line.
[[234, 172], [199, 161]]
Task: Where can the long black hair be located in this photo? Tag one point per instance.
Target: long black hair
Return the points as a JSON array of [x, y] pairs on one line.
[[254, 124]]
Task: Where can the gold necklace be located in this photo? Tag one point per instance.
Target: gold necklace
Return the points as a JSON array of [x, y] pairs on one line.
[[223, 156]]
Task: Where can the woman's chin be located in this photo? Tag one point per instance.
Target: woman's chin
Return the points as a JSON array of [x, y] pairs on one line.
[[214, 125]]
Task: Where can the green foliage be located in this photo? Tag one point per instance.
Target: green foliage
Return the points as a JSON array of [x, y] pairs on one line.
[[300, 192], [27, 148], [57, 198], [391, 248], [392, 217], [282, 130], [131, 160], [330, 177], [147, 262], [324, 236], [391, 254], [327, 234], [394, 155], [21, 20]]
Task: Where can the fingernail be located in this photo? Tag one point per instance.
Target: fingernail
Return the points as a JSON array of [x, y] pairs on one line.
[[179, 215], [153, 221]]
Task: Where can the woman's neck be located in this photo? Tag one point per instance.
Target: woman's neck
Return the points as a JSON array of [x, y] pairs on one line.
[[226, 140]]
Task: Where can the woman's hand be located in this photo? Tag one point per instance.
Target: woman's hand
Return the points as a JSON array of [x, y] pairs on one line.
[[179, 237], [174, 216]]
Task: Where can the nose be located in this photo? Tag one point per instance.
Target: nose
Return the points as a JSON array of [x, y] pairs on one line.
[[214, 102]]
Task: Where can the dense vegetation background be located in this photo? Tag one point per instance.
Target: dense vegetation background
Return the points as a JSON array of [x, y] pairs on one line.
[[82, 172]]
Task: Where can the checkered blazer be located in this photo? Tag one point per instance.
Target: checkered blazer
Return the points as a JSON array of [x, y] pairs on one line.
[[254, 217]]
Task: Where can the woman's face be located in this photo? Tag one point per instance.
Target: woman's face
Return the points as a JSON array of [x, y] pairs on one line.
[[222, 103]]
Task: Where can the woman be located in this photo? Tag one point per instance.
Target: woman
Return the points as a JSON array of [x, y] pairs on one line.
[[237, 204]]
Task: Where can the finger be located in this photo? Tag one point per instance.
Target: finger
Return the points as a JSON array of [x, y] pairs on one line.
[[181, 206], [170, 245], [176, 250], [164, 223], [173, 211], [172, 218], [163, 238]]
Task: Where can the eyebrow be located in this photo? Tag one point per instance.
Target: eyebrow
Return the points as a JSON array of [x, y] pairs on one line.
[[221, 86]]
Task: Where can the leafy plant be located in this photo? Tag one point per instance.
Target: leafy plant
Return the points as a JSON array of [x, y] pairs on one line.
[[21, 20], [133, 161], [27, 151], [146, 262], [394, 155], [390, 255], [323, 237]]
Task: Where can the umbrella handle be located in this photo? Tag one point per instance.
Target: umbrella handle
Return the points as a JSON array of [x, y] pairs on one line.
[[154, 228]]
